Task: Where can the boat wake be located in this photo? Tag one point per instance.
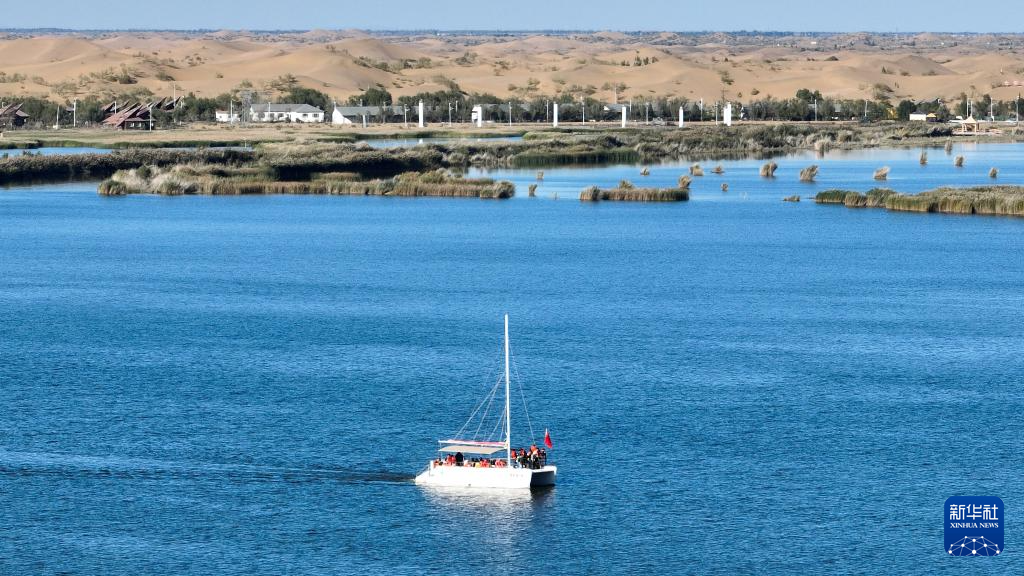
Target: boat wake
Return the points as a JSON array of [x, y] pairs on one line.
[[25, 464]]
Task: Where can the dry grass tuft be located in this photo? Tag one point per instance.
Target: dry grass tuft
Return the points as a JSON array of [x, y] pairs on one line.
[[809, 174], [595, 194]]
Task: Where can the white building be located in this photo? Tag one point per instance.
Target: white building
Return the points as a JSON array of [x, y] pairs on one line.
[[299, 113], [226, 116], [349, 115]]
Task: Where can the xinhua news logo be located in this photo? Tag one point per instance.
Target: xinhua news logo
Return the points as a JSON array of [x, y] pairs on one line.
[[974, 526]]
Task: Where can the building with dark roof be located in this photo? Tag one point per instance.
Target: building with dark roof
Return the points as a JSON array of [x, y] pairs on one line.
[[11, 116], [356, 114]]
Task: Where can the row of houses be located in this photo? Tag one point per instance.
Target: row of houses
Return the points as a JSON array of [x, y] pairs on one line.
[[299, 113], [354, 115], [305, 113]]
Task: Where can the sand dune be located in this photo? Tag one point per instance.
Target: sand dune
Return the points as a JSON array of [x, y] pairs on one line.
[[341, 63]]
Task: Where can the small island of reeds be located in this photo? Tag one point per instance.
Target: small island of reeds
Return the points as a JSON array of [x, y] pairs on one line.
[[626, 192], [219, 181], [989, 200]]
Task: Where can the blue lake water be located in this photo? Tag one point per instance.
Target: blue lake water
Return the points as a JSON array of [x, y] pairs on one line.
[[51, 151], [734, 385]]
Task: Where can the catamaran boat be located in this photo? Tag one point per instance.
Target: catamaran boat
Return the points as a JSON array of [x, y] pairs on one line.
[[501, 469]]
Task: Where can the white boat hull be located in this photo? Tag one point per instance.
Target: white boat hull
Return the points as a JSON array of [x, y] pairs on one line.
[[468, 477]]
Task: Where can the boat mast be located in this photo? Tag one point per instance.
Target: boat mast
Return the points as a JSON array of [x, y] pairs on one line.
[[508, 410]]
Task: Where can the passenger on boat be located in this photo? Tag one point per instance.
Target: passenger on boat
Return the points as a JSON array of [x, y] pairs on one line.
[[459, 459], [534, 457], [485, 463], [500, 463], [543, 457]]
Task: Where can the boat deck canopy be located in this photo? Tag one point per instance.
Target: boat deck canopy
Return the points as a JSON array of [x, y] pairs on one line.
[[469, 449]]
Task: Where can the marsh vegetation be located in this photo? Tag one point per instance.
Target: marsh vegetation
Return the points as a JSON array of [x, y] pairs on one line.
[[992, 200]]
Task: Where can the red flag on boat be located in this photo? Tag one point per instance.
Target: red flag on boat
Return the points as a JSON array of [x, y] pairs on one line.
[[547, 438]]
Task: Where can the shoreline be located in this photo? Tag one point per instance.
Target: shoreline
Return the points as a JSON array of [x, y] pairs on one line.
[[318, 166], [198, 135]]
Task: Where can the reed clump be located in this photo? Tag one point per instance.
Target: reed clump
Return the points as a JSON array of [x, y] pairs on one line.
[[299, 162], [684, 182], [768, 169], [877, 197], [718, 170], [793, 198], [566, 157], [725, 186], [60, 167], [809, 174], [696, 170], [855, 200], [959, 162], [918, 203], [882, 173], [923, 160], [949, 147], [988, 200], [533, 191], [831, 196], [193, 179], [440, 183], [646, 171], [595, 194], [993, 173]]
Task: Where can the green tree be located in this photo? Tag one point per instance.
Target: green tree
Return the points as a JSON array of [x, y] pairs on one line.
[[372, 96], [905, 109], [301, 95]]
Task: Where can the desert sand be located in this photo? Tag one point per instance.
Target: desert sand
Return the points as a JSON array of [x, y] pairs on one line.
[[341, 63]]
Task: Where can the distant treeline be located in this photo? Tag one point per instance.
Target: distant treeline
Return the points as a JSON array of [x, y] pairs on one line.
[[574, 102]]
